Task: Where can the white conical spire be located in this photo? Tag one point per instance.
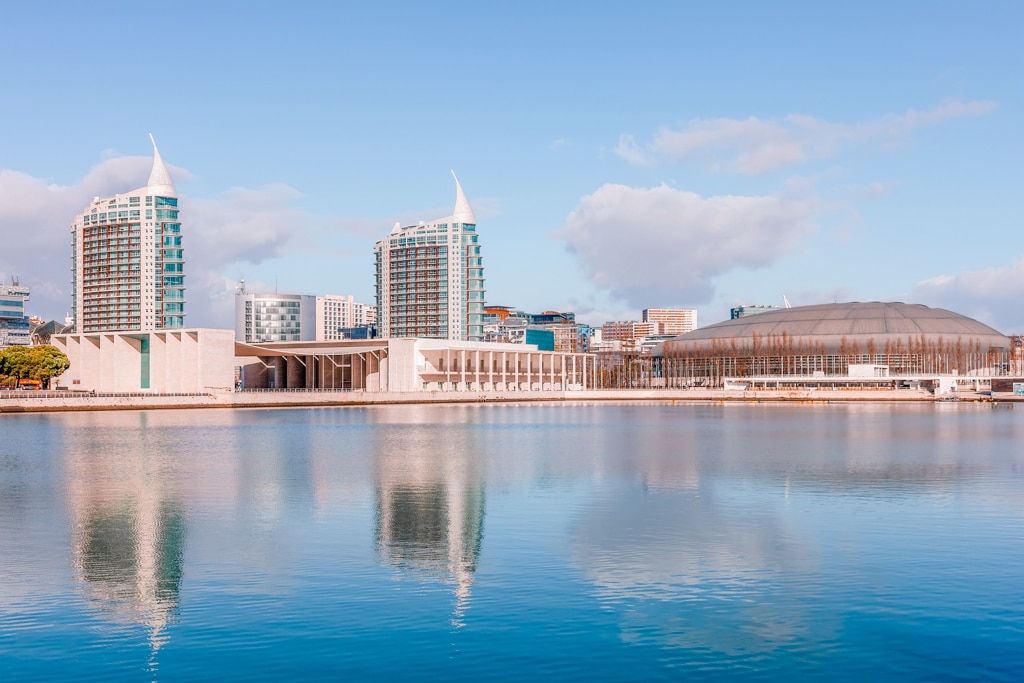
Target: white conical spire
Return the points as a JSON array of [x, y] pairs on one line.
[[463, 212], [159, 178]]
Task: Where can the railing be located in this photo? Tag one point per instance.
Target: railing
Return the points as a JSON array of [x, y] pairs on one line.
[[297, 390], [32, 393]]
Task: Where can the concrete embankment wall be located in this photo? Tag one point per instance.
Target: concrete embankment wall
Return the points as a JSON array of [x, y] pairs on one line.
[[13, 403]]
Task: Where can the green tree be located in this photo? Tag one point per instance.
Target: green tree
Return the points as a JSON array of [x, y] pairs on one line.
[[35, 362], [47, 362], [14, 362]]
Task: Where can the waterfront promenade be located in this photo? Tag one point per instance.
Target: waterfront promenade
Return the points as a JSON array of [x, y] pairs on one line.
[[32, 401]]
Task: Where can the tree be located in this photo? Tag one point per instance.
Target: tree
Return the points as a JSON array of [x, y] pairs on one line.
[[48, 362], [35, 362]]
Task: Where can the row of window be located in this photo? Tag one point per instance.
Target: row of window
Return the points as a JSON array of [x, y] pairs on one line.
[[419, 252], [276, 305], [104, 230], [259, 317], [416, 275]]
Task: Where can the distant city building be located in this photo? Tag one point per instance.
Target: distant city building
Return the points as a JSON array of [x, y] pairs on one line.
[[42, 330], [261, 318], [627, 330], [362, 332], [501, 312], [543, 339], [551, 318], [633, 336], [563, 333], [430, 278], [128, 265], [671, 321], [743, 311], [338, 316], [564, 338], [510, 330], [15, 328]]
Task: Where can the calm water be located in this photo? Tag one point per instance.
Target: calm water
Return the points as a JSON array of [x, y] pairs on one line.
[[514, 542]]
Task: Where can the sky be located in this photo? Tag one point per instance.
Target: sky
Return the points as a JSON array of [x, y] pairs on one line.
[[618, 156]]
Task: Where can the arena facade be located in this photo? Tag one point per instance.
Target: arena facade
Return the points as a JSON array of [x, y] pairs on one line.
[[841, 345]]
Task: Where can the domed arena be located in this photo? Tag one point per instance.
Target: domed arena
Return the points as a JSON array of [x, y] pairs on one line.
[[828, 340]]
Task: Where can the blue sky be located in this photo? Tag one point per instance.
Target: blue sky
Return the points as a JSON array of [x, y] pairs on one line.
[[618, 156]]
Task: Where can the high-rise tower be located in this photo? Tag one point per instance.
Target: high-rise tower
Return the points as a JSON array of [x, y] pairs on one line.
[[430, 278], [128, 270]]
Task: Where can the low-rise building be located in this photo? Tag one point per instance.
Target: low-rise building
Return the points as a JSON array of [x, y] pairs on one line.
[[186, 361], [209, 361]]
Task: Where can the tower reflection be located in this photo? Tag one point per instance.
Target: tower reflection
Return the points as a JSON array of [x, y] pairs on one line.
[[430, 504], [128, 533]]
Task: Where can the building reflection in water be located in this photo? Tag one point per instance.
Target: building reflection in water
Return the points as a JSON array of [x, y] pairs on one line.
[[429, 501], [128, 529]]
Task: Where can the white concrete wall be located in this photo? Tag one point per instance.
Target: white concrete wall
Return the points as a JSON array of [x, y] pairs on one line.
[[402, 374], [181, 361]]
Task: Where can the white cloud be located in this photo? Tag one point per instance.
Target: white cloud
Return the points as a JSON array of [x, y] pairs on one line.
[[991, 295], [666, 245], [240, 225], [35, 220], [754, 145], [631, 152]]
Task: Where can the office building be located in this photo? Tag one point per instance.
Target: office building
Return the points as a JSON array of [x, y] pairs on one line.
[[14, 324], [128, 267], [263, 318], [430, 278]]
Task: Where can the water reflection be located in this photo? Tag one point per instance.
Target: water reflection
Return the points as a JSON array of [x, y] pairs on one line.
[[429, 501], [718, 536], [694, 567], [638, 542], [128, 527]]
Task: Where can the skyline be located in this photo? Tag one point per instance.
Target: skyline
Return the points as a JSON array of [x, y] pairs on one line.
[[660, 157]]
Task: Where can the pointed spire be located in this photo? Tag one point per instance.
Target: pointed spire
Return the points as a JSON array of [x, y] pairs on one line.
[[463, 212], [159, 178]]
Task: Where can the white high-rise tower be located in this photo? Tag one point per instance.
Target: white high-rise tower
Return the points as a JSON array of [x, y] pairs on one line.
[[430, 278], [128, 269]]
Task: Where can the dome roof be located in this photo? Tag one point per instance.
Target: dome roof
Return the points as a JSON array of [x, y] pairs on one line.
[[853, 323]]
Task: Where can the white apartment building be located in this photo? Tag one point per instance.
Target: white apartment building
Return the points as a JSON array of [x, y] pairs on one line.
[[335, 314], [128, 267], [671, 321], [430, 278]]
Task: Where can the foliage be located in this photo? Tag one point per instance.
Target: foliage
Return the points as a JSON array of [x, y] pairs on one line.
[[31, 362]]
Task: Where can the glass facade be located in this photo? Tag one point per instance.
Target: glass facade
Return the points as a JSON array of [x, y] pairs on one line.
[[14, 324]]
